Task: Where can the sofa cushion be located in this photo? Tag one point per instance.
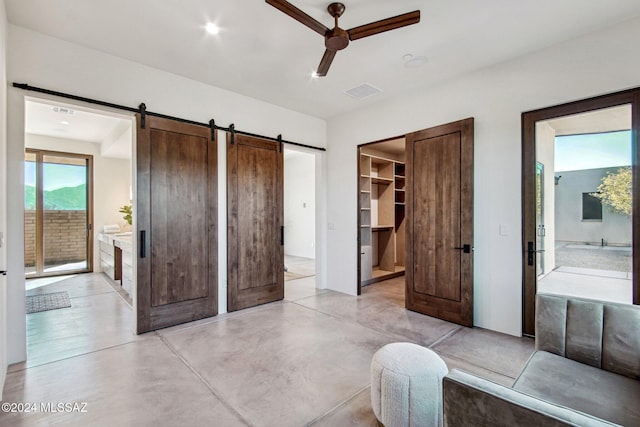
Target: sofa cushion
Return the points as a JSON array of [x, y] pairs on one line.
[[621, 340], [601, 334], [594, 391]]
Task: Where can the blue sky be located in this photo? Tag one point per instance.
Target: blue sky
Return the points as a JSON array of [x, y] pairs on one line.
[[592, 151], [55, 175]]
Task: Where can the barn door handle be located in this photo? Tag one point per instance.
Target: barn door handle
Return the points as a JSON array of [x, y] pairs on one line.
[[143, 243], [464, 248], [282, 235]]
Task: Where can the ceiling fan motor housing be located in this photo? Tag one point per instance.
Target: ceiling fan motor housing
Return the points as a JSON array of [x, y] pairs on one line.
[[336, 39]]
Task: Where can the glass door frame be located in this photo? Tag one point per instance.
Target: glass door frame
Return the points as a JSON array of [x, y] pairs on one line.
[[39, 240], [529, 119]]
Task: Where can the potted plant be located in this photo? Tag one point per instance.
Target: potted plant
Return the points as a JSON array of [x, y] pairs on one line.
[[128, 211]]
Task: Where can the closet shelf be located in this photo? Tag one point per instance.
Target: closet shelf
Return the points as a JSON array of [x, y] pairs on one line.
[[381, 227], [379, 180]]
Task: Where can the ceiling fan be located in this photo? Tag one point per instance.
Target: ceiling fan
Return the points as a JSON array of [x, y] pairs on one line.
[[337, 38]]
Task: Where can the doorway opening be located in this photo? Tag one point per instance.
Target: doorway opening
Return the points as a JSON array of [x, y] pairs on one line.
[[578, 213], [300, 236], [299, 215], [381, 210], [584, 225], [415, 209], [78, 255]]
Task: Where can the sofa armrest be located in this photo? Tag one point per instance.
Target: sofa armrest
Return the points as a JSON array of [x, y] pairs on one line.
[[472, 401]]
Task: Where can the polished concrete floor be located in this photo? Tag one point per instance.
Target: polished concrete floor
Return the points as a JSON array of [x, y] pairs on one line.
[[298, 267], [301, 361]]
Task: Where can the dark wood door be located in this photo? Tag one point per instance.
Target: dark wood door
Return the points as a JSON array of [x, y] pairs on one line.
[[439, 239], [255, 220], [176, 212]]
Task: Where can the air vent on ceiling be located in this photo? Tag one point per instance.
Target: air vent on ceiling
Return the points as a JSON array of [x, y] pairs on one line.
[[363, 91], [63, 110]]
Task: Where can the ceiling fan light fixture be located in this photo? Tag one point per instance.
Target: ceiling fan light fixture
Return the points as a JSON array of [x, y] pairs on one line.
[[411, 61]]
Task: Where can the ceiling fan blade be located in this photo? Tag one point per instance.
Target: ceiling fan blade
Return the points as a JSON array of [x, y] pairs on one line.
[[298, 15], [325, 63], [384, 25]]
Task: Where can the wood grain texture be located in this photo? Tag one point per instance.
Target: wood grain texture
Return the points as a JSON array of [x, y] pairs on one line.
[[439, 218], [179, 179], [177, 208], [255, 214], [529, 120], [383, 25]]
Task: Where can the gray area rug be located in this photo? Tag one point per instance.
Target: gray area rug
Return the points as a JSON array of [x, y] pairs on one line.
[[46, 302]]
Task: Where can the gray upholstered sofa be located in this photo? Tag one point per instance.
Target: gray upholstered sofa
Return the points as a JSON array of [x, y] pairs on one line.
[[585, 372]]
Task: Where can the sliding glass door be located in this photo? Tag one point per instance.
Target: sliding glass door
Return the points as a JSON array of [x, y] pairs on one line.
[[57, 213]]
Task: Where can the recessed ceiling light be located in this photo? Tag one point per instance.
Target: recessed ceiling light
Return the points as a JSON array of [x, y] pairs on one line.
[[411, 61], [315, 75], [64, 122], [212, 28]]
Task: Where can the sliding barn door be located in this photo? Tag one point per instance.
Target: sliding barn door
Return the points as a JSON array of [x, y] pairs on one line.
[[439, 240], [176, 213], [255, 221]]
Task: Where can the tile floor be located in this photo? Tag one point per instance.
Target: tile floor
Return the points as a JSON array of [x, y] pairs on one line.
[[301, 361]]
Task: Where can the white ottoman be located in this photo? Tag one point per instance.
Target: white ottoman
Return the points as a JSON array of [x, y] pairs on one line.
[[406, 386]]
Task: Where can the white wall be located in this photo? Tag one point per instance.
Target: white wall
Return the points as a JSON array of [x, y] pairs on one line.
[[3, 192], [111, 183], [299, 205], [595, 64], [614, 228], [54, 64]]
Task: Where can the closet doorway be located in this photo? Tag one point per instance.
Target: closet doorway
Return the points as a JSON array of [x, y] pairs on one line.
[[381, 206], [415, 215]]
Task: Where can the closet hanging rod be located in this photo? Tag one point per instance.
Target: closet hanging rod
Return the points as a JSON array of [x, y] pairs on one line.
[[25, 86]]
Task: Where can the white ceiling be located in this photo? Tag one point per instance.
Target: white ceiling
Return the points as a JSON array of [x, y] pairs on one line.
[[605, 120], [267, 55], [62, 121]]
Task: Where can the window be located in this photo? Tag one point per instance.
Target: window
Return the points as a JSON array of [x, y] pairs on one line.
[[591, 208]]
